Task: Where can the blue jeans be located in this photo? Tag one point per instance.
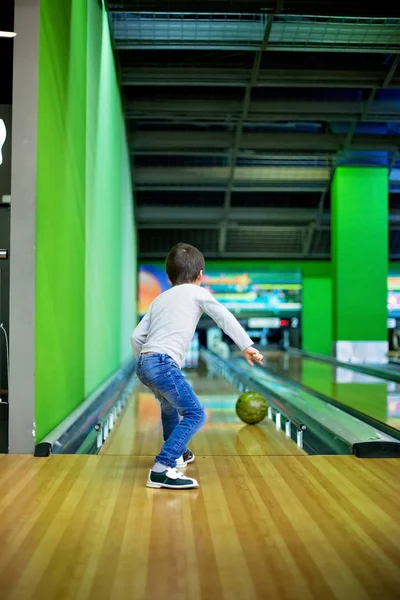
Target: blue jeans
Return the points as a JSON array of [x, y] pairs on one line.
[[161, 374]]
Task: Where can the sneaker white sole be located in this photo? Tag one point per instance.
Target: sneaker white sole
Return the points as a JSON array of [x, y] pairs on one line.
[[151, 484]]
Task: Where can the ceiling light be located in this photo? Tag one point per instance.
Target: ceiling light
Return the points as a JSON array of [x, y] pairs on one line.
[[7, 34]]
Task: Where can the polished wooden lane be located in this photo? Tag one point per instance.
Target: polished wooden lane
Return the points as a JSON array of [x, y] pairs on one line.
[[290, 527], [138, 431]]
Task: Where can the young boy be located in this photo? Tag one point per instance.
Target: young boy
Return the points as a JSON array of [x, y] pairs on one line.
[[160, 342]]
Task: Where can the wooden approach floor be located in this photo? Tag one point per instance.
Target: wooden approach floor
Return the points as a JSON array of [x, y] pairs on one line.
[[268, 522], [290, 527]]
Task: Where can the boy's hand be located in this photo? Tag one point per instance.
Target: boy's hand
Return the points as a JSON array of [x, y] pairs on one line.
[[251, 354]]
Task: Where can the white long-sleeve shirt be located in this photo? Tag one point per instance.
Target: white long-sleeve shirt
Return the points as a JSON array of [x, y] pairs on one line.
[[169, 325]]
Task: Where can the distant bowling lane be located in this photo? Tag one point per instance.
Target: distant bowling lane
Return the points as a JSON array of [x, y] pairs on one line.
[[138, 431], [375, 397]]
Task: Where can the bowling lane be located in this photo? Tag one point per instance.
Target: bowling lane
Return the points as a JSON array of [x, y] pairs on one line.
[[375, 397], [138, 431]]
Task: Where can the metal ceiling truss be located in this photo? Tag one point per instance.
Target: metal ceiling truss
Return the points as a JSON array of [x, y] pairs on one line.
[[161, 216], [264, 110], [179, 6], [258, 242], [312, 7], [239, 127], [172, 217], [311, 187], [369, 103], [223, 176], [154, 141], [239, 31], [213, 76], [222, 155], [255, 241]]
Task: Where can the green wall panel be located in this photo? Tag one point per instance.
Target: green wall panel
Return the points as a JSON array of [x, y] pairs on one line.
[[85, 223], [317, 315], [103, 210], [308, 268], [60, 269], [360, 253], [128, 250]]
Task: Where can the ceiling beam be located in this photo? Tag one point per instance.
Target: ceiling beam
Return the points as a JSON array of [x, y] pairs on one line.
[[328, 7], [221, 175], [232, 225], [201, 6], [247, 154], [311, 187], [152, 141], [231, 32], [261, 110], [164, 215], [239, 77]]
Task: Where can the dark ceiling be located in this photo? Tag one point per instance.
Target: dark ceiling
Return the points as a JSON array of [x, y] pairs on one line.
[[238, 113]]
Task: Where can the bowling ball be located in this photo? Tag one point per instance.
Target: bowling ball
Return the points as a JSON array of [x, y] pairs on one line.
[[251, 407]]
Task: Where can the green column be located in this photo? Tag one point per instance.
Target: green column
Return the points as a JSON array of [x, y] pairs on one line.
[[360, 263]]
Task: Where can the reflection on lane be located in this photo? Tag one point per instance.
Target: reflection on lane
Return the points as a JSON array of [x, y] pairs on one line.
[[138, 432], [375, 397], [224, 433]]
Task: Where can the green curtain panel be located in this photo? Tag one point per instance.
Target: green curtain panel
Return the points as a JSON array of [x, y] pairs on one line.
[[85, 308]]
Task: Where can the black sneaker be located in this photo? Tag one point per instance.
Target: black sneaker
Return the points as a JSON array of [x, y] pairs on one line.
[[172, 479], [186, 458]]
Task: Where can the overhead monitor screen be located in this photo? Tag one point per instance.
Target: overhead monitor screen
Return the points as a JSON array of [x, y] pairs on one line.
[[246, 294]]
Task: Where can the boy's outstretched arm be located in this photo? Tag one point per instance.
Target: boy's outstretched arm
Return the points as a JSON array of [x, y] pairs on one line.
[[139, 335], [227, 322]]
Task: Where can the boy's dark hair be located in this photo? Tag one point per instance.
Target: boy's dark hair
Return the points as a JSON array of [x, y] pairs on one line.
[[184, 263]]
